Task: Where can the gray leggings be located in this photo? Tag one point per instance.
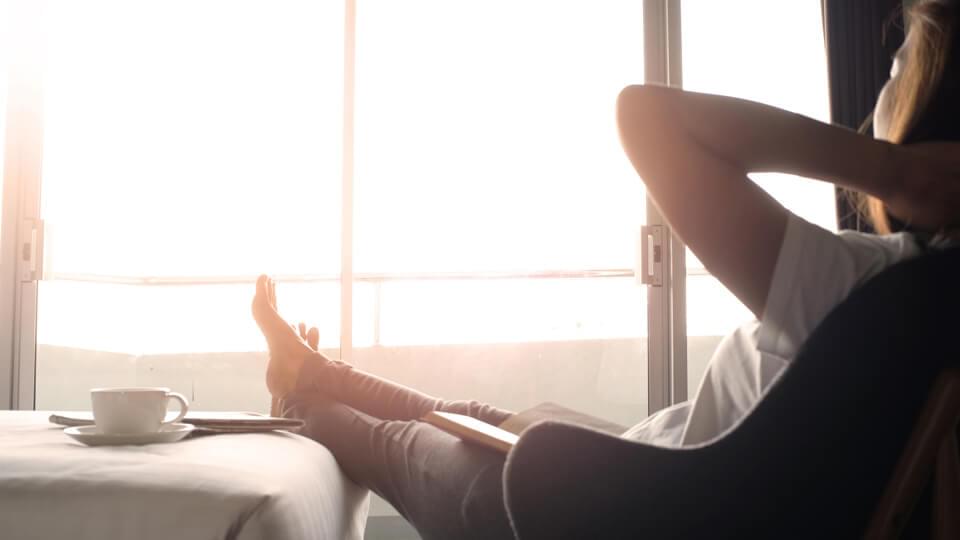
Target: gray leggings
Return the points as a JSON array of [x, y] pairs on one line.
[[445, 488]]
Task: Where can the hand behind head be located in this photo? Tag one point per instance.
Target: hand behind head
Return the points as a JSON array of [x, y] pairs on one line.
[[928, 194]]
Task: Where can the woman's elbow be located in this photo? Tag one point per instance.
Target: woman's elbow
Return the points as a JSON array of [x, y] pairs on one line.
[[640, 108], [629, 100], [644, 96], [639, 119]]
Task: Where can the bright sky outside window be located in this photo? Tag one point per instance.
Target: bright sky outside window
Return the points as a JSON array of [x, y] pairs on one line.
[[486, 135], [486, 141], [189, 140], [193, 138]]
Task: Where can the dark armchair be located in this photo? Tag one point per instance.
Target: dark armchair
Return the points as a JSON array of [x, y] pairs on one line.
[[857, 418]]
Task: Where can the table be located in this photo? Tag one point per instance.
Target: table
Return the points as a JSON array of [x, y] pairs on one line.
[[240, 486]]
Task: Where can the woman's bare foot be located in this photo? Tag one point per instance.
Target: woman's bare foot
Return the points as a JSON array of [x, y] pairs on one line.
[[288, 351]]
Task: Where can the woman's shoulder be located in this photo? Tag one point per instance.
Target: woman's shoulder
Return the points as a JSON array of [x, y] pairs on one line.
[[861, 253], [897, 245], [816, 270]]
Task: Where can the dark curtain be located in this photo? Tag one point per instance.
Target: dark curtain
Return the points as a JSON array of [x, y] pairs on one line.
[[861, 37]]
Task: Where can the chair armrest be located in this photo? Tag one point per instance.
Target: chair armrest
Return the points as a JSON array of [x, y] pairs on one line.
[[567, 481]]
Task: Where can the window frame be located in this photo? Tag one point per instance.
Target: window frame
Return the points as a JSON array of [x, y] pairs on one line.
[[21, 229]]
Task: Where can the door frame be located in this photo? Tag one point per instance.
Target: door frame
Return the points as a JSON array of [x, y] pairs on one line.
[[666, 301], [21, 231]]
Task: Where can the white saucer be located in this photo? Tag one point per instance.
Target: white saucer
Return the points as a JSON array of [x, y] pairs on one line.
[[168, 433]]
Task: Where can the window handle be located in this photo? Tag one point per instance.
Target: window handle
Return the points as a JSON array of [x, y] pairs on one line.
[[32, 250], [651, 255]]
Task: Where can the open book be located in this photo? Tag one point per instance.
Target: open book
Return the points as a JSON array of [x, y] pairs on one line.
[[502, 438], [210, 422]]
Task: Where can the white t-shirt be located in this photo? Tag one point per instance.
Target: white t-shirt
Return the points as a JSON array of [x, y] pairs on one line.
[[816, 270]]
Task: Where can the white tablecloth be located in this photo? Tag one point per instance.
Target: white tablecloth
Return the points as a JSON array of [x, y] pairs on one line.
[[240, 486]]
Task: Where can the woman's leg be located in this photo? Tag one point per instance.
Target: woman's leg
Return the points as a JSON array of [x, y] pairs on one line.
[[295, 365], [382, 398], [445, 488]]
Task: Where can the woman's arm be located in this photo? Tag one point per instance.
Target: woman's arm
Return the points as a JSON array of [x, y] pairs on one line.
[[693, 151]]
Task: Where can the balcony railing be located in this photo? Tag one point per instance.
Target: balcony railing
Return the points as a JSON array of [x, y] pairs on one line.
[[358, 277]]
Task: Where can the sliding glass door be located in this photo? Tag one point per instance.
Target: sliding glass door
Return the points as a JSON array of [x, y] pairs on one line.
[[495, 214], [484, 247]]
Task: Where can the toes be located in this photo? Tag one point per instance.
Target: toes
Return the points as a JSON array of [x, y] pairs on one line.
[[264, 311], [260, 297], [313, 338], [260, 292]]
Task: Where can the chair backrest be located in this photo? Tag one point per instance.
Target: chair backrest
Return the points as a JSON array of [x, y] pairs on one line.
[[932, 449], [810, 461]]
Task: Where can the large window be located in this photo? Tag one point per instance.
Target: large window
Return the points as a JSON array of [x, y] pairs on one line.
[[493, 198], [491, 217]]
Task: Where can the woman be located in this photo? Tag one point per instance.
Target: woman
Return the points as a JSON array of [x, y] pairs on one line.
[[693, 151]]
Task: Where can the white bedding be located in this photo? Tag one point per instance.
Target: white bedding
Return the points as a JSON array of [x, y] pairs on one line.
[[239, 486]]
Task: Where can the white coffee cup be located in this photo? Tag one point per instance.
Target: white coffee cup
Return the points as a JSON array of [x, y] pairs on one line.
[[133, 410]]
